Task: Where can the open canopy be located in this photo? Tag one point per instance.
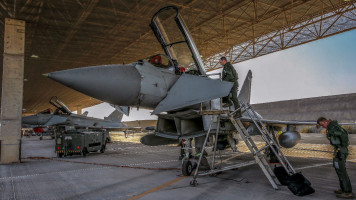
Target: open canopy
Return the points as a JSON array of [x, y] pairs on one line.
[[174, 37]]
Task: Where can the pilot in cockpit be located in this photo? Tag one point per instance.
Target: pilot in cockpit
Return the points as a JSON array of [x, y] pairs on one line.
[[161, 62], [47, 111]]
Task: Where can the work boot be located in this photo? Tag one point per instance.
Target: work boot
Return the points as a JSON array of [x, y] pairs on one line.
[[227, 105], [346, 195], [237, 115], [339, 191]]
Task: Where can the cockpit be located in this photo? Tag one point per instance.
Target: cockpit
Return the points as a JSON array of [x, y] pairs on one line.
[[161, 60], [181, 54], [47, 111]]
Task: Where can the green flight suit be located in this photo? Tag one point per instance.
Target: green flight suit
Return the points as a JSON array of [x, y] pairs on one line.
[[339, 138], [230, 74]]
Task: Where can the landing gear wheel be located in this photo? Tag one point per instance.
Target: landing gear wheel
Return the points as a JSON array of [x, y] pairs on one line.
[[193, 183], [187, 168]]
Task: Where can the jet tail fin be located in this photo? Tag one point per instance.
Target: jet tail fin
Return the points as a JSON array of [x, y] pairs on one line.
[[245, 93], [115, 116]]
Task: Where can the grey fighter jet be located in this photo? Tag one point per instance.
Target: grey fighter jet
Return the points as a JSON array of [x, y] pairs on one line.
[[63, 116], [174, 85]]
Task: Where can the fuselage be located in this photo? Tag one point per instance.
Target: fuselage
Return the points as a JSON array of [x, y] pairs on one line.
[[137, 84]]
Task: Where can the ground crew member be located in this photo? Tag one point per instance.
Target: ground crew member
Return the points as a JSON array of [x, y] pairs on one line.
[[339, 138], [230, 74]]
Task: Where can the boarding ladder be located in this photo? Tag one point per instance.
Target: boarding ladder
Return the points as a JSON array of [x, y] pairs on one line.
[[260, 159]]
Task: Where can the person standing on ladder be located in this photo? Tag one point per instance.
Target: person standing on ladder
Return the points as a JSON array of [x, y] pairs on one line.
[[229, 74], [339, 139]]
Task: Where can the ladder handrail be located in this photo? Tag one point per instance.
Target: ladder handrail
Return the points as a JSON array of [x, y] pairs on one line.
[[268, 138], [261, 160], [264, 134]]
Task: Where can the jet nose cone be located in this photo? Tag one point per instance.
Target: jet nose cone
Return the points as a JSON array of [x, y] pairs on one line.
[[116, 84]]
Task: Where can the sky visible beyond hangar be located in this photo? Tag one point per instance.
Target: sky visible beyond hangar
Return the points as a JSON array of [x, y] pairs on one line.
[[320, 68]]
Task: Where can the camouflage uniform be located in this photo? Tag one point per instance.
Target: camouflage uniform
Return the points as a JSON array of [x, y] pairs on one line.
[[339, 138], [230, 74]]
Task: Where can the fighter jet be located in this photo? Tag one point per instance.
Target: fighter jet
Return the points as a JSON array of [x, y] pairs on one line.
[[174, 85], [63, 116]]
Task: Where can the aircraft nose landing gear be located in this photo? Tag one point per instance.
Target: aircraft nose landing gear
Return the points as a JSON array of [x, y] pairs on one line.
[[187, 168]]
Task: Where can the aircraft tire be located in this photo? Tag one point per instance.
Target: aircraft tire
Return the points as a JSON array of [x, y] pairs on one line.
[[187, 168]]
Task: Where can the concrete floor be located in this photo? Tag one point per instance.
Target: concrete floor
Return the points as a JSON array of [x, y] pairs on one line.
[[131, 170]]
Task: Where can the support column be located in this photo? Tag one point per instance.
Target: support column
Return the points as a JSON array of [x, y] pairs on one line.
[[12, 90]]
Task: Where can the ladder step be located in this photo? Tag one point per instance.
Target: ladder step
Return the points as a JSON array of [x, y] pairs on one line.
[[232, 113], [263, 148], [247, 136], [214, 112]]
